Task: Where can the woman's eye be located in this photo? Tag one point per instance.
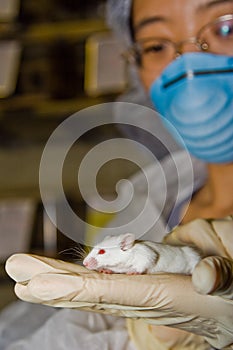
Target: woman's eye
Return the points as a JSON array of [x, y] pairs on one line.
[[225, 30], [101, 251], [154, 48]]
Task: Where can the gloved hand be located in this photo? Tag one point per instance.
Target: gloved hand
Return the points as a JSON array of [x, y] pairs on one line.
[[214, 238], [162, 299]]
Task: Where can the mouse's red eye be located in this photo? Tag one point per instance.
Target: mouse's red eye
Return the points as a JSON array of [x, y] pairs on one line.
[[101, 251]]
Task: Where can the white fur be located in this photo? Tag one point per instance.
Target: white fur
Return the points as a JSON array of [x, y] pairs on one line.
[[125, 255]]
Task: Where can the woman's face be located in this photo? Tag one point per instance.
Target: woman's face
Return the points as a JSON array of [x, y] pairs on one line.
[[175, 20]]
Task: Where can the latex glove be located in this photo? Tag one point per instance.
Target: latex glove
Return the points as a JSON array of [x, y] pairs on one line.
[[162, 299], [213, 238], [212, 275]]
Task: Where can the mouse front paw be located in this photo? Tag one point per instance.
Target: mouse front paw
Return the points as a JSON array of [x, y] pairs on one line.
[[106, 271]]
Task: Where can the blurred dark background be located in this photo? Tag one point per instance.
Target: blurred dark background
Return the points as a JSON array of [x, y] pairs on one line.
[[50, 56]]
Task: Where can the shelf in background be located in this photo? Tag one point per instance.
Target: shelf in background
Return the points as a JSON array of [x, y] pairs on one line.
[[70, 30], [42, 106]]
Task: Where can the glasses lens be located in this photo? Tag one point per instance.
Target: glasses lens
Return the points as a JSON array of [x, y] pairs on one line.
[[155, 53], [219, 36]]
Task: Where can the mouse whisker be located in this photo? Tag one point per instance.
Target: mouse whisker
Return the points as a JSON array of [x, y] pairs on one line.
[[73, 252], [81, 251], [68, 251]]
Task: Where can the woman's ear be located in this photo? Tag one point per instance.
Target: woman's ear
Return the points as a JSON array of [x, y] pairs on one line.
[[127, 241]]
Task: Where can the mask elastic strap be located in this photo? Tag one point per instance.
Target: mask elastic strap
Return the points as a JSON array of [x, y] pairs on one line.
[[191, 74]]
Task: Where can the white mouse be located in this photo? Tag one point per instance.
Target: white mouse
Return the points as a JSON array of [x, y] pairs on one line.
[[125, 254]]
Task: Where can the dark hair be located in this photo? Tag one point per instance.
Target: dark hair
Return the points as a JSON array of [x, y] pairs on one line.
[[132, 36], [131, 25]]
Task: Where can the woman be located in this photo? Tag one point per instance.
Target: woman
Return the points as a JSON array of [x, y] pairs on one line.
[[183, 51]]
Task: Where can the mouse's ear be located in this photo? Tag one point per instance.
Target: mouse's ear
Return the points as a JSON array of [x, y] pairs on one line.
[[127, 241]]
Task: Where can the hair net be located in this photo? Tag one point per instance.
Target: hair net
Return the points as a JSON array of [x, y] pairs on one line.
[[118, 18]]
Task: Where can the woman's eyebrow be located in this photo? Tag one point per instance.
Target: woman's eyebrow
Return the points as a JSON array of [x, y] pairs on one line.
[[213, 3], [154, 19], [149, 20]]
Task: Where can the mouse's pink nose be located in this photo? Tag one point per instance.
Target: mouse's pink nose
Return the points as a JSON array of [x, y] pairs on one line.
[[90, 263]]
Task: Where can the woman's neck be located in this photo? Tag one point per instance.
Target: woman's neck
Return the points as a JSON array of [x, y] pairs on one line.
[[220, 187], [215, 198]]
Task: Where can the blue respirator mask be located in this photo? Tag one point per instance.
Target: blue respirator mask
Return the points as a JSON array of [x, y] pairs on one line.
[[194, 94]]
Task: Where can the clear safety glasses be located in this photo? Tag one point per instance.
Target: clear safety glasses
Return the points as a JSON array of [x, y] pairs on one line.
[[155, 53]]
